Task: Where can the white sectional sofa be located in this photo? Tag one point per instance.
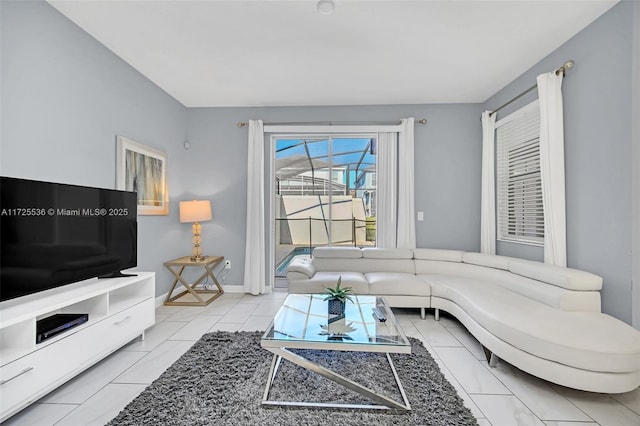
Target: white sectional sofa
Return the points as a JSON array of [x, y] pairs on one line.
[[543, 319]]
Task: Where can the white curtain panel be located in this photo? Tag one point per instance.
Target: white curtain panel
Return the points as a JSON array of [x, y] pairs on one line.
[[552, 168], [387, 196], [255, 250], [488, 197], [406, 193]]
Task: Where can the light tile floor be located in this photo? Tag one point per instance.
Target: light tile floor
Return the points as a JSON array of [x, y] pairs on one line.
[[500, 396]]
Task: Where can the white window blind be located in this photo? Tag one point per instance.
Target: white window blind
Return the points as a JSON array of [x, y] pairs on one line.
[[519, 187]]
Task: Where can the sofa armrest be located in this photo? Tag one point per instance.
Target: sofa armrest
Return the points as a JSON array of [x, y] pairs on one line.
[[302, 266]]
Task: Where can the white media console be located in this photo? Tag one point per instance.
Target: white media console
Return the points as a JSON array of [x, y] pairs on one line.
[[119, 309]]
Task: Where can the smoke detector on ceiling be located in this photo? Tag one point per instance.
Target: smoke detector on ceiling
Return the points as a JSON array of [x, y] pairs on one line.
[[326, 6]]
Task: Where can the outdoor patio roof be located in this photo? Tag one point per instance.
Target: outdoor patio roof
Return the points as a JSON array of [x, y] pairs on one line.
[[297, 156]]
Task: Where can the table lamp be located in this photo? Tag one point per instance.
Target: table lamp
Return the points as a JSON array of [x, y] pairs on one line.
[[195, 211]]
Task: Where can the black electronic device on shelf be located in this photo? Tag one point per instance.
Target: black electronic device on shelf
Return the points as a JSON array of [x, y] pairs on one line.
[[49, 327]]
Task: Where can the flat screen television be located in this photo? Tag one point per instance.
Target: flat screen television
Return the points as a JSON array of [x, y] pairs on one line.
[[55, 234]]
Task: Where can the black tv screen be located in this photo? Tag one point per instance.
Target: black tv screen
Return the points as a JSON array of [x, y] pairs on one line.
[[55, 234]]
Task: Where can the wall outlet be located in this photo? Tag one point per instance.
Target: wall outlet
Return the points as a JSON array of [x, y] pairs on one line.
[[420, 216], [227, 264]]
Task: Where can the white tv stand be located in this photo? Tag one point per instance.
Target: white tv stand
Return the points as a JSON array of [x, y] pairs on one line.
[[120, 309]]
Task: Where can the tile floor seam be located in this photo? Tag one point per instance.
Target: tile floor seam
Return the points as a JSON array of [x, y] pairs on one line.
[[572, 403], [77, 406], [479, 409], [516, 397], [529, 408]]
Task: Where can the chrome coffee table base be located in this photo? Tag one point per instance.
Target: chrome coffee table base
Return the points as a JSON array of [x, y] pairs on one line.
[[385, 403]]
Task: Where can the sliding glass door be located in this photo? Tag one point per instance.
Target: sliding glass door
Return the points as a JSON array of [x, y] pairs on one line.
[[324, 194]]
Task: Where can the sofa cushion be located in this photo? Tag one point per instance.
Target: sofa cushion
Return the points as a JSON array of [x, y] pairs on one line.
[[441, 267], [364, 265], [437, 254], [397, 283], [586, 340], [571, 279], [337, 252], [338, 265], [488, 260], [387, 253], [549, 294], [321, 280], [557, 297], [385, 265]]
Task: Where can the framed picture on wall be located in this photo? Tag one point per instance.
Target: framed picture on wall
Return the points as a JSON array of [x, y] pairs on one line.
[[144, 170]]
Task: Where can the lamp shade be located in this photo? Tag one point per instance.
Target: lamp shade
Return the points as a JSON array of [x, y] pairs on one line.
[[195, 211]]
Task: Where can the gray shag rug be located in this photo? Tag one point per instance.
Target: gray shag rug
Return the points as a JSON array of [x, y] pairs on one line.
[[221, 380]]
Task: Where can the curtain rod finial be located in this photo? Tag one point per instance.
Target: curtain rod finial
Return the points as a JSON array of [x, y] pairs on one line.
[[565, 67], [241, 124]]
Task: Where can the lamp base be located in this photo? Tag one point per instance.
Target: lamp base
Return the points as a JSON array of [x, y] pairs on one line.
[[198, 258], [197, 250]]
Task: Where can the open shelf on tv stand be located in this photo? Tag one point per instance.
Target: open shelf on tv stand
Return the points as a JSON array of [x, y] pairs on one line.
[[119, 309]]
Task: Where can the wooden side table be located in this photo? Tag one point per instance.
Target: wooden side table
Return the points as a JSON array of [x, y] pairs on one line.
[[208, 263]]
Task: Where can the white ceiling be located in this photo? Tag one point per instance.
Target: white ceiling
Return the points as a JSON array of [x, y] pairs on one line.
[[258, 53]]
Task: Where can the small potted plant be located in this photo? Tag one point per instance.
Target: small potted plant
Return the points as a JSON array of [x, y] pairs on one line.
[[337, 298]]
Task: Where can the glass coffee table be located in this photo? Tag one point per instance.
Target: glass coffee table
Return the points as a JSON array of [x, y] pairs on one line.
[[303, 322]]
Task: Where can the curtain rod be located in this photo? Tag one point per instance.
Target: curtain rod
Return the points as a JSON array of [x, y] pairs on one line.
[[333, 123], [563, 69]]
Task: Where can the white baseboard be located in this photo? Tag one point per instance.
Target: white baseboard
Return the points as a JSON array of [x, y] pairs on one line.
[[233, 288]]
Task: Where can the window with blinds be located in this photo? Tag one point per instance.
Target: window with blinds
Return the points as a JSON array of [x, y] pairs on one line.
[[519, 187]]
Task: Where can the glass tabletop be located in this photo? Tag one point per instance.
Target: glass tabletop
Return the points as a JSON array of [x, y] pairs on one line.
[[304, 321]]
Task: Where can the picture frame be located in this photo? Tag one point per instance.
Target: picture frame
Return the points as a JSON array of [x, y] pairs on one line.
[[143, 169]]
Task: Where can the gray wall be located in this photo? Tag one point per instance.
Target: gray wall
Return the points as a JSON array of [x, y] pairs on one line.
[[447, 161], [65, 97], [598, 165]]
